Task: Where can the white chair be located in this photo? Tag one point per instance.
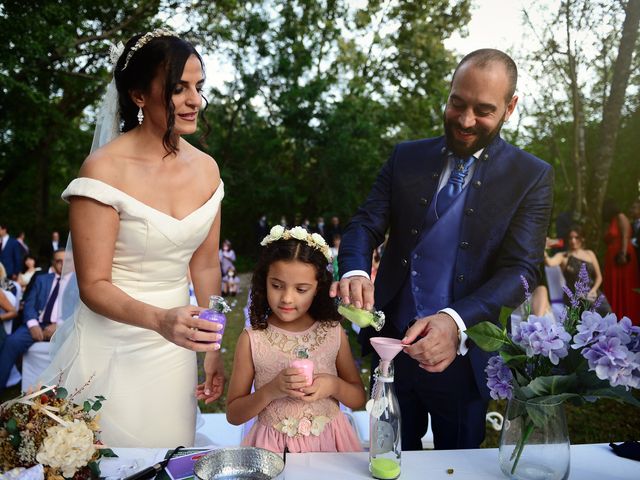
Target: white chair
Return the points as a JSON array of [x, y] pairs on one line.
[[555, 282], [34, 362], [213, 429]]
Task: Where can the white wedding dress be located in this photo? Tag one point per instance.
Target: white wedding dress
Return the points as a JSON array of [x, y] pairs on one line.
[[148, 382]]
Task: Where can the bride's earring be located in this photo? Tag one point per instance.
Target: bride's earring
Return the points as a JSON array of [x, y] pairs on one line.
[[140, 116]]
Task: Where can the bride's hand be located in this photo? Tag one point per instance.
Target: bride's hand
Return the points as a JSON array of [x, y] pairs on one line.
[[213, 385], [182, 326]]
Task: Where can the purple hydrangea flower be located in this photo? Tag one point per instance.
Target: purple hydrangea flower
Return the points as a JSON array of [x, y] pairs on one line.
[[611, 348], [592, 325], [499, 379], [612, 361], [542, 336]]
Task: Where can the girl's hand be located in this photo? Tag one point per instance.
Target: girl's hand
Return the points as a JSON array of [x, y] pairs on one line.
[[181, 326], [213, 385], [592, 295], [289, 383], [323, 386]]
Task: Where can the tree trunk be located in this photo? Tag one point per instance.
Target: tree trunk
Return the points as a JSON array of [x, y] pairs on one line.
[[612, 113]]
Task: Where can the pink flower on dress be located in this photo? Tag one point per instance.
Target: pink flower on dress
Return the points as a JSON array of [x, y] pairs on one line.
[[304, 427]]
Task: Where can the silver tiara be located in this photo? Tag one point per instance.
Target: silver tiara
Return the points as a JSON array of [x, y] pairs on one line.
[[146, 38]]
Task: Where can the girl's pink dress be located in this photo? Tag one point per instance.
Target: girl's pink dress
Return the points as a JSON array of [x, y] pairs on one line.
[[289, 422]]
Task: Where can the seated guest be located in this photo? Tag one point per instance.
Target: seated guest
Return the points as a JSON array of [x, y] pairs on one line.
[[570, 263], [8, 311], [28, 269], [39, 318], [230, 283], [540, 304]]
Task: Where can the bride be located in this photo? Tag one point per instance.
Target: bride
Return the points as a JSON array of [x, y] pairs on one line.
[[145, 208]]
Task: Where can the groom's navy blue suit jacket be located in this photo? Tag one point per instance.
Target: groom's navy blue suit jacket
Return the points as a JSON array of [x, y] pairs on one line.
[[502, 236]]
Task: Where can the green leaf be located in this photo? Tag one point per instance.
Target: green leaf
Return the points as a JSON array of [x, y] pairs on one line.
[[95, 469], [512, 360], [86, 406], [615, 393], [15, 440], [505, 316], [552, 385], [540, 414], [553, 399], [12, 425], [108, 453], [487, 336], [61, 393], [100, 397], [96, 406]]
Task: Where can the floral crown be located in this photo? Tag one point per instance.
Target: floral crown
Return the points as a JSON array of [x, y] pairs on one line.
[[314, 240], [146, 38]]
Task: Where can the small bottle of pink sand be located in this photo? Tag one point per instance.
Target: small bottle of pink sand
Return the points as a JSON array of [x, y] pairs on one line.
[[303, 362]]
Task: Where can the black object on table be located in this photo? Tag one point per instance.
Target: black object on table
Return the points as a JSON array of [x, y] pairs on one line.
[[153, 470]]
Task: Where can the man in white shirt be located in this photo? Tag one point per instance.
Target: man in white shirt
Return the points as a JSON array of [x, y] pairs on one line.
[[40, 317]]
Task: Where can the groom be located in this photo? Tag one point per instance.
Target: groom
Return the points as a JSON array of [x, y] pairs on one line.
[[467, 215]]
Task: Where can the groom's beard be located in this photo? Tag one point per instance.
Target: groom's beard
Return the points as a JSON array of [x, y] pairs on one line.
[[483, 138]]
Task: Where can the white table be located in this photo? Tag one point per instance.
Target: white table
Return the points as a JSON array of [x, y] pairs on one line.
[[588, 462]]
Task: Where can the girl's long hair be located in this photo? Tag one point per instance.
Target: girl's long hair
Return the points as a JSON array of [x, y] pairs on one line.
[[323, 308]]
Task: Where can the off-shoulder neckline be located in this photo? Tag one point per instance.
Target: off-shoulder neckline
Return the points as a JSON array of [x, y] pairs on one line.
[[139, 202]]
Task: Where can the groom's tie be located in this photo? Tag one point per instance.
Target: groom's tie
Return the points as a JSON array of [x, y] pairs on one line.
[[454, 185]]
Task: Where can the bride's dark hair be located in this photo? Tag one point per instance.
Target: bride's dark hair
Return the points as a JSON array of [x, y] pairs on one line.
[[161, 55], [322, 309]]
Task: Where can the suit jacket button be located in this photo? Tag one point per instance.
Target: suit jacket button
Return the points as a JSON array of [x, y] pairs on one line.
[[404, 262], [469, 211], [434, 175], [464, 245], [423, 201], [460, 278], [477, 184], [414, 231], [485, 156]]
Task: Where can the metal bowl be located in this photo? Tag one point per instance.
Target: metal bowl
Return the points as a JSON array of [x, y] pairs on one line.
[[237, 463]]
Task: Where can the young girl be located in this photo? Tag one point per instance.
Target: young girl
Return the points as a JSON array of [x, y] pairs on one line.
[[291, 312]]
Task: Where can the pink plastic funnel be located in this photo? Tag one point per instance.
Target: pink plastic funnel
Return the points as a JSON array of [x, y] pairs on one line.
[[387, 348]]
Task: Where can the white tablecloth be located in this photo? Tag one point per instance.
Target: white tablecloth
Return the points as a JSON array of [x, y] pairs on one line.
[[588, 462]]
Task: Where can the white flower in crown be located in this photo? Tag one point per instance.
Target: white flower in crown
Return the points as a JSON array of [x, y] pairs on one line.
[[275, 233], [317, 238], [298, 233]]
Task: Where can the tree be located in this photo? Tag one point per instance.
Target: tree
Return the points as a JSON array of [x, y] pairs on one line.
[[320, 92], [588, 50], [53, 59]]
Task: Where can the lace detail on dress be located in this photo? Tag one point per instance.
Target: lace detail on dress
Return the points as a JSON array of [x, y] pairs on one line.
[[272, 350]]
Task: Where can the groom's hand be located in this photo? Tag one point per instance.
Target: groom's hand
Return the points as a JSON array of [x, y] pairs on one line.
[[438, 346], [356, 290]]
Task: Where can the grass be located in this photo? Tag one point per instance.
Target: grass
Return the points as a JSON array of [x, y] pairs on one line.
[[601, 422]]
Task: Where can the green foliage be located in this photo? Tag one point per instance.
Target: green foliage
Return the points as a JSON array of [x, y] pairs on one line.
[[53, 58], [318, 98], [320, 92]]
